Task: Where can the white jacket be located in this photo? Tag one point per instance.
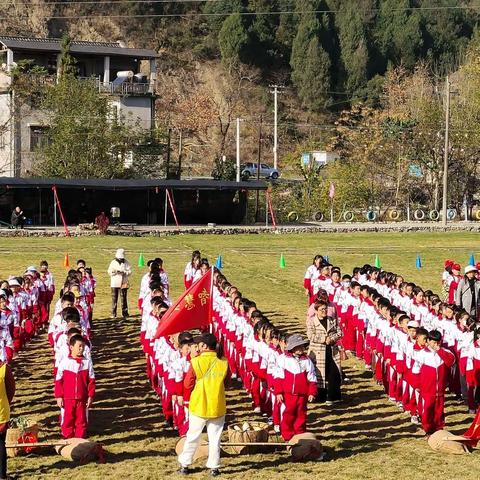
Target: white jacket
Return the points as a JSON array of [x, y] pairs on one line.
[[119, 273]]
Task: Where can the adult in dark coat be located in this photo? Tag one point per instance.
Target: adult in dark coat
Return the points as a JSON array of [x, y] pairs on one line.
[[17, 219]]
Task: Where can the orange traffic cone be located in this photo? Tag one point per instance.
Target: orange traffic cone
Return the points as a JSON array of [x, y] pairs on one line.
[[66, 261]]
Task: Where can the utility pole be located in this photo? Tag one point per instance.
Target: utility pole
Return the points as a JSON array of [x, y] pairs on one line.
[[238, 149], [258, 165], [180, 152], [169, 142], [275, 125], [445, 153]]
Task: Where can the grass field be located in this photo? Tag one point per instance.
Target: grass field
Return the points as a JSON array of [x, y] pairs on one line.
[[366, 436]]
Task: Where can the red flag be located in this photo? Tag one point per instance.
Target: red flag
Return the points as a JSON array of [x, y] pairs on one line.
[[331, 191], [192, 310]]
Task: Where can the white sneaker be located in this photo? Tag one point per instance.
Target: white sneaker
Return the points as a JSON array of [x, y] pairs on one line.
[[328, 403], [257, 410], [415, 420]]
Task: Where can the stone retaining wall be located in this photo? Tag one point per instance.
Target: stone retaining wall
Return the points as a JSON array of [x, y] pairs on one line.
[[146, 231]]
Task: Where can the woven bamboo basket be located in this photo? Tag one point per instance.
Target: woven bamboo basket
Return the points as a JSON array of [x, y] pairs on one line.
[[14, 435], [257, 432]]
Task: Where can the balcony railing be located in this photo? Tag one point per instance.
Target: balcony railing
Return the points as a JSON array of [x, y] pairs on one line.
[[125, 88]]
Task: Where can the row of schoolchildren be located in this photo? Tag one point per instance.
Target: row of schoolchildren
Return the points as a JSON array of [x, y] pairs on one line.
[[24, 308], [274, 369], [416, 345], [272, 366], [70, 336], [161, 354], [168, 358]]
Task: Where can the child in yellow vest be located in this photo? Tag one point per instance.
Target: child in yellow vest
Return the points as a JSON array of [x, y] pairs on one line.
[[208, 375], [7, 391]]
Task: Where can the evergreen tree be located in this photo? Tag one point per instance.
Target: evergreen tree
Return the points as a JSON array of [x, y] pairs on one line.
[[352, 34], [310, 62], [398, 33], [219, 10], [262, 32], [233, 39]]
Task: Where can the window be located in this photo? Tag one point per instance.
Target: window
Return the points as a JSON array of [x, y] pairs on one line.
[[38, 137]]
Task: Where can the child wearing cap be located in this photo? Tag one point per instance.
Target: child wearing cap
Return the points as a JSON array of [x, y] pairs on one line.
[[456, 277], [295, 385]]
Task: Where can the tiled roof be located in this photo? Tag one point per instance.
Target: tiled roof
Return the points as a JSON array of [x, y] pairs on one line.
[[76, 46]]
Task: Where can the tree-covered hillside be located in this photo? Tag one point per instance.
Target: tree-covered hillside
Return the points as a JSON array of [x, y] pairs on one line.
[[320, 46]]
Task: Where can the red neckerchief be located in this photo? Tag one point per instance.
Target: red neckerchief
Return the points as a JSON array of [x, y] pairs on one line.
[[78, 360]]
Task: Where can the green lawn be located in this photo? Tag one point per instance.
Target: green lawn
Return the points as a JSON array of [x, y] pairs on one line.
[[366, 436]]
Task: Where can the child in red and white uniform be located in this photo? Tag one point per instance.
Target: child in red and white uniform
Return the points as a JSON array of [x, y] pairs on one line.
[[19, 305], [7, 317], [191, 268], [62, 346], [435, 362], [153, 274], [322, 281], [67, 301], [415, 404], [32, 309], [188, 349], [352, 304], [419, 309], [447, 278], [75, 389], [202, 269], [295, 386], [456, 277], [47, 278], [311, 275], [272, 367], [41, 297]]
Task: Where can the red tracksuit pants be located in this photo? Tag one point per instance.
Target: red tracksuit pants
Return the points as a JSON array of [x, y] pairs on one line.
[[433, 417], [74, 419], [180, 418], [294, 415]]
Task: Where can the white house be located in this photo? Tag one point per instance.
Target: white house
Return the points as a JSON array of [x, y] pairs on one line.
[[126, 75], [321, 157]]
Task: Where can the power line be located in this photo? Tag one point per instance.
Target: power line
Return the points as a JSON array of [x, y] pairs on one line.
[[123, 2], [226, 14]]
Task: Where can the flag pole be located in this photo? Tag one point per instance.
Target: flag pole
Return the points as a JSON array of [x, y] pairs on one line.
[[211, 297]]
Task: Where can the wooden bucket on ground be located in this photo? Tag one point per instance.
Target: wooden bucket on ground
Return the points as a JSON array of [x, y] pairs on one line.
[[20, 435], [247, 432]]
